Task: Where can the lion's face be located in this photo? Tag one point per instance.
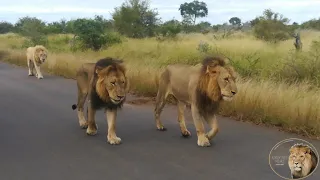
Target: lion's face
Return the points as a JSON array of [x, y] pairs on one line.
[[227, 84], [42, 55], [300, 159], [113, 84], [220, 82]]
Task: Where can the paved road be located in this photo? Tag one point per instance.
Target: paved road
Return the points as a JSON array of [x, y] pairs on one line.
[[40, 140]]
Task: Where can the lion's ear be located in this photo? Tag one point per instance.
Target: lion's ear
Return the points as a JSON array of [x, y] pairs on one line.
[[291, 150], [212, 69], [308, 151], [38, 50], [98, 69]]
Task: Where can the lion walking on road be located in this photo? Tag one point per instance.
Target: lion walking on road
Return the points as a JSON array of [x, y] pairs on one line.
[[106, 85], [36, 56], [202, 86]]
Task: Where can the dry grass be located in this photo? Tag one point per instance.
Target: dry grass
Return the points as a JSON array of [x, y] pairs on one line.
[[295, 107]]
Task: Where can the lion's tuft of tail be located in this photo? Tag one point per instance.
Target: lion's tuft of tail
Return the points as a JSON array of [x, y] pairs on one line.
[[74, 106]]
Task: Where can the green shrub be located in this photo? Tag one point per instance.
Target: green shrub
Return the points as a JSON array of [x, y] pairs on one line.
[[112, 38], [300, 66], [170, 29], [90, 32], [272, 27]]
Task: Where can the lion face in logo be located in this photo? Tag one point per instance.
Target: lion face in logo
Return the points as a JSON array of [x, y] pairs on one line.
[[302, 160]]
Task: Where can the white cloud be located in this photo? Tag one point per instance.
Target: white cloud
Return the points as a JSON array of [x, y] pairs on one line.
[[42, 10], [229, 10], [292, 3], [219, 11]]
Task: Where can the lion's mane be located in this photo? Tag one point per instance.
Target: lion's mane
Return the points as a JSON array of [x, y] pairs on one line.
[[36, 50], [100, 96], [208, 95]]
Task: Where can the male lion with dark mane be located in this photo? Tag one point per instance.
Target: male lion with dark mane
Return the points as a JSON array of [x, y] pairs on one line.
[[202, 86], [302, 161], [36, 56], [107, 85]]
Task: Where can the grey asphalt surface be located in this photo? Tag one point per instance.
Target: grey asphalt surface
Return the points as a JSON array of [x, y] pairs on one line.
[[40, 139]]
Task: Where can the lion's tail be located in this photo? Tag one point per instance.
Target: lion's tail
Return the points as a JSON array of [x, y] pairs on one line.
[[74, 106]]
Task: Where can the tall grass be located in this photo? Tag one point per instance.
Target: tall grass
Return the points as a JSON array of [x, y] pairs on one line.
[[265, 95]]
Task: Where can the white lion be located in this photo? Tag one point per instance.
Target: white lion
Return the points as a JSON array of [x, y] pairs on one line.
[[35, 57]]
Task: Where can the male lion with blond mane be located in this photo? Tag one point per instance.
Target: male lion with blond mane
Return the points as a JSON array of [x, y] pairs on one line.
[[106, 84], [202, 86], [35, 57], [302, 161]]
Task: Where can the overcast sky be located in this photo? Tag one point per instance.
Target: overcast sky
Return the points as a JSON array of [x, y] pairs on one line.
[[220, 11]]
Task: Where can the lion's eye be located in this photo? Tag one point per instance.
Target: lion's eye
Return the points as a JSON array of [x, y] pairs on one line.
[[226, 79], [122, 82], [113, 83]]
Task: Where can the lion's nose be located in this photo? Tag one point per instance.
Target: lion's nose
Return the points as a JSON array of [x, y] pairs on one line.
[[120, 97], [233, 92]]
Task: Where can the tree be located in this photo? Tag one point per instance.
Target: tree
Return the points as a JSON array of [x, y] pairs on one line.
[[193, 10], [135, 19], [295, 24], [32, 28], [204, 27], [272, 27], [170, 28], [69, 26], [5, 27], [312, 24], [235, 21], [57, 27], [107, 24], [216, 27], [254, 21], [90, 32], [27, 26]]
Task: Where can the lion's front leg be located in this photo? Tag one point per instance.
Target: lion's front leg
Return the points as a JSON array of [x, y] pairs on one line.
[[92, 126], [82, 120], [39, 74], [203, 141], [111, 116], [213, 123]]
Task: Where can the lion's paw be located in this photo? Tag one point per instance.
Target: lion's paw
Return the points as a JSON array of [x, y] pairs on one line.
[[92, 131], [161, 128], [83, 124], [114, 140], [203, 141], [186, 133]]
